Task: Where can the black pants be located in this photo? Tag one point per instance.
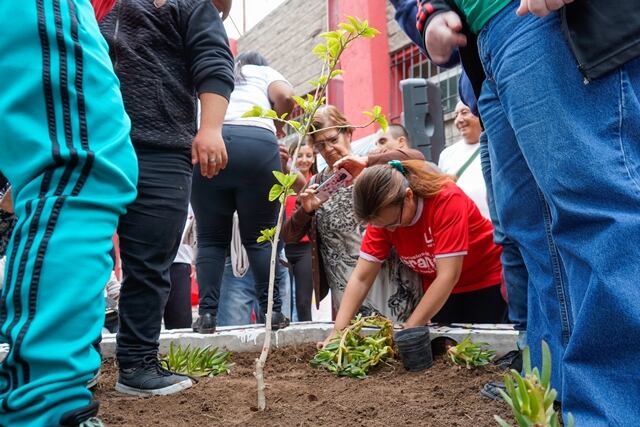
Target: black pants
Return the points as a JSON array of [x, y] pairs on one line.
[[299, 257], [150, 234], [243, 187], [483, 306], [177, 312]]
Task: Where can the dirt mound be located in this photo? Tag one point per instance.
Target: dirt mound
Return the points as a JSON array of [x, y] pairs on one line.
[[298, 395]]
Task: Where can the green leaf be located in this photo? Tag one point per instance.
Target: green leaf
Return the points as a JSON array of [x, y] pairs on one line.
[[526, 360], [294, 124], [570, 422], [545, 379], [356, 23], [299, 100], [333, 47], [382, 121], [369, 33], [290, 180], [270, 114], [275, 192], [256, 111], [266, 235], [377, 110], [348, 28], [500, 421], [280, 177], [320, 50], [336, 73], [284, 116], [331, 35]]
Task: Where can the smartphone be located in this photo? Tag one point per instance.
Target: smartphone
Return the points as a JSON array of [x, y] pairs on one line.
[[339, 180]]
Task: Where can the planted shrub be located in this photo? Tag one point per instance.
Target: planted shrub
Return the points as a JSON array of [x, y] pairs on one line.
[[531, 397], [197, 362], [353, 354], [470, 354]]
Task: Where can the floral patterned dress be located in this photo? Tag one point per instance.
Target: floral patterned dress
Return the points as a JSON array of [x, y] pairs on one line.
[[397, 289]]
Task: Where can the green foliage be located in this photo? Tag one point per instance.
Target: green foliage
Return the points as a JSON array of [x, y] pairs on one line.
[[197, 362], [377, 117], [352, 354], [267, 235], [470, 354], [531, 397]]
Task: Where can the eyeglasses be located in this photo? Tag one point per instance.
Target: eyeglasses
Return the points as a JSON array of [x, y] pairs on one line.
[[321, 145], [398, 222]]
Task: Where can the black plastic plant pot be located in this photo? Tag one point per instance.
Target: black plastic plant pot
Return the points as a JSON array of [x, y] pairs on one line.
[[414, 346]]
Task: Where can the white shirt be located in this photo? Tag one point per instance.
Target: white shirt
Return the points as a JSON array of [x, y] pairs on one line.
[[253, 90], [471, 182]]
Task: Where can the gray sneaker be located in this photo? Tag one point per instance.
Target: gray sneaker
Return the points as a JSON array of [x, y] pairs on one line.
[[148, 378]]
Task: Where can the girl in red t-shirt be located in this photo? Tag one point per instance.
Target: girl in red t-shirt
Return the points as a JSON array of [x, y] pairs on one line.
[[438, 231], [299, 253]]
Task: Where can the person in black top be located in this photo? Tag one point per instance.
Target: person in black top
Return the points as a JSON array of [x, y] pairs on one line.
[[164, 53]]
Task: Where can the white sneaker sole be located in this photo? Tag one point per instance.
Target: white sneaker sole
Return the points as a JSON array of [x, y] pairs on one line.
[[175, 388]]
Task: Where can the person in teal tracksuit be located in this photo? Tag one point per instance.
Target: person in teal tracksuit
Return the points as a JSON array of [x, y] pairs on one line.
[[65, 147]]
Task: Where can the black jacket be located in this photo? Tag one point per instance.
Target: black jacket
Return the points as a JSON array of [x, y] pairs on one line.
[[603, 35], [163, 56]]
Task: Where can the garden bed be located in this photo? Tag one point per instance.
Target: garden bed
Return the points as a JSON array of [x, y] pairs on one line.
[[298, 395]]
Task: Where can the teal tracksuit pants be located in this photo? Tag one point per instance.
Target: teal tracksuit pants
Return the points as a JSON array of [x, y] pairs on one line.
[[64, 145]]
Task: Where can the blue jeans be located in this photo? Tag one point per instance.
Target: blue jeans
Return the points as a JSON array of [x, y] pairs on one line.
[[238, 296], [514, 270], [578, 146]]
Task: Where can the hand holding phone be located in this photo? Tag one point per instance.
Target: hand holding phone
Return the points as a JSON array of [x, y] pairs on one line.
[[340, 179]]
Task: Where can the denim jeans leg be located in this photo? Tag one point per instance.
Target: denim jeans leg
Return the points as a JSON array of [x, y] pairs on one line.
[[237, 298], [580, 143], [520, 212], [514, 270]]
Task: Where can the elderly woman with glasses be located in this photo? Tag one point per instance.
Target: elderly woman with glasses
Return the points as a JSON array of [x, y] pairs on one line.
[[334, 231], [438, 232]]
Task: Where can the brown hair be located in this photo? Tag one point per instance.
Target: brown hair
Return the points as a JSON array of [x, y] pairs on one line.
[[329, 116], [382, 186], [292, 150]]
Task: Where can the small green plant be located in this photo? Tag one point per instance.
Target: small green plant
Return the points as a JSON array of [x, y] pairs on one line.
[[352, 354], [531, 398], [329, 52], [470, 354], [197, 362]]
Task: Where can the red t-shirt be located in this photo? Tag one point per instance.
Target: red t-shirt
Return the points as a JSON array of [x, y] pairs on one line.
[[290, 207], [448, 224]]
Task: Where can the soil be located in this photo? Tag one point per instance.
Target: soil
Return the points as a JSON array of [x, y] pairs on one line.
[[298, 395]]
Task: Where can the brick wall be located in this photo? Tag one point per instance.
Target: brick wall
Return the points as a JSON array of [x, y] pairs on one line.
[[286, 36]]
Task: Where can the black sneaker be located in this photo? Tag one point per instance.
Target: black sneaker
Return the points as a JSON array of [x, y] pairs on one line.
[[491, 390], [205, 324], [511, 360], [83, 417], [150, 379], [279, 321]]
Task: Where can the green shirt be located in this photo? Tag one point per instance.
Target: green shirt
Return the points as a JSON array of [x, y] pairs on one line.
[[478, 12]]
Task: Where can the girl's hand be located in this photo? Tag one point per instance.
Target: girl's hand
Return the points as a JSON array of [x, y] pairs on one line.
[[323, 344], [309, 200]]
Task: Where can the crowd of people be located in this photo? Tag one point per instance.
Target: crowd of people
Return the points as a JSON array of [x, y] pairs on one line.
[[142, 137]]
